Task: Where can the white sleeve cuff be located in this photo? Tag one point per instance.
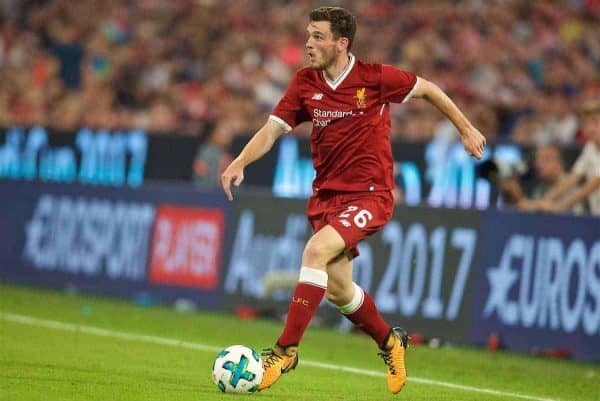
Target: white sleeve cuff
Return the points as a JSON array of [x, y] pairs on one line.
[[412, 91], [286, 127]]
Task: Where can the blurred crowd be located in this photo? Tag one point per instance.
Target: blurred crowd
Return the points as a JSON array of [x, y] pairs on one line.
[[519, 68]]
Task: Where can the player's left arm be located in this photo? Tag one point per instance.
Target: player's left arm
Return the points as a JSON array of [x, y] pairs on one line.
[[470, 136]]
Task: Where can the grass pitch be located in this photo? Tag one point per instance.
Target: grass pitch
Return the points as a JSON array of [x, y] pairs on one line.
[[111, 356]]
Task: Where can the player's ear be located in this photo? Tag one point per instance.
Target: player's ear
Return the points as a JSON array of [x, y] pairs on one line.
[[343, 43]]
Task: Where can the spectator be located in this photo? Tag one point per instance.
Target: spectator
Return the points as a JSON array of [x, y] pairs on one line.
[[549, 171], [212, 157], [70, 53], [518, 66], [585, 174]]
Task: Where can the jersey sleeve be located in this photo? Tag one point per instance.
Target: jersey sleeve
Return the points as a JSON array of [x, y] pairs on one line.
[[290, 111], [396, 85]]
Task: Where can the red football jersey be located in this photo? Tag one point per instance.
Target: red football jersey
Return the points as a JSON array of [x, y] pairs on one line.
[[350, 139]]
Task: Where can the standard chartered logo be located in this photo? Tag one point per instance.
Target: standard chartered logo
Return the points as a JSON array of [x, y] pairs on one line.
[[318, 113], [322, 118], [545, 282]]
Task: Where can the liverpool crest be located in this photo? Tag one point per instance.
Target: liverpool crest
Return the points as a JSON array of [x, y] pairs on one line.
[[361, 98]]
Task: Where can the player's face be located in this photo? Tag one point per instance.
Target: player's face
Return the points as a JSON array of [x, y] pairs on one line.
[[321, 46]]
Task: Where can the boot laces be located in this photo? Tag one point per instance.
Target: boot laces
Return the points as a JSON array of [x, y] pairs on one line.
[[387, 358], [270, 357]]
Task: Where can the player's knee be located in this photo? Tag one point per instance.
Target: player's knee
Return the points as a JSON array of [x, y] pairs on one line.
[[315, 255]]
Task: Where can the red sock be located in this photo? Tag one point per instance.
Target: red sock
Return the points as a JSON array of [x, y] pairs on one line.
[[307, 296], [362, 312]]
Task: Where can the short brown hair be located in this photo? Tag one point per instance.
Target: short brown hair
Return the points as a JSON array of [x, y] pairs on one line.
[[343, 24]]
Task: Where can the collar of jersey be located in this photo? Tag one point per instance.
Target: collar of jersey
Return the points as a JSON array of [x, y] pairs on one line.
[[336, 82]]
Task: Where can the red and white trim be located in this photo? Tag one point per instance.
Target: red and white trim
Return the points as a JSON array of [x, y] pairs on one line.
[[281, 122], [412, 91], [337, 82]]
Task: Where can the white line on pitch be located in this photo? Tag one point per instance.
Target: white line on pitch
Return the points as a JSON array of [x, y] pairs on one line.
[[122, 335]]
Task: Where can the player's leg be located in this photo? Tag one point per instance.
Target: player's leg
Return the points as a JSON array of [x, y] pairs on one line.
[[358, 306], [322, 247], [340, 288], [353, 302]]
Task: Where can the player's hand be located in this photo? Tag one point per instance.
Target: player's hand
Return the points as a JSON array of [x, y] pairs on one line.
[[473, 142], [235, 172]]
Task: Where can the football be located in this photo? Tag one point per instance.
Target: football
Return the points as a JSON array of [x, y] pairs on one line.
[[237, 369]]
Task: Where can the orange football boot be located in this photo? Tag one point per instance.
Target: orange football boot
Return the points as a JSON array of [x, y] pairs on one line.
[[277, 361], [393, 357]]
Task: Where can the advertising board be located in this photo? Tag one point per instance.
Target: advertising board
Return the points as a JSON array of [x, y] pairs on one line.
[[159, 243]]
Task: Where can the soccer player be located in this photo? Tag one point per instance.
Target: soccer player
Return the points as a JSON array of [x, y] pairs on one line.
[[348, 102]]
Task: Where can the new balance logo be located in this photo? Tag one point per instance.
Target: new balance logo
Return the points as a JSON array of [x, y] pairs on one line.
[[317, 96]]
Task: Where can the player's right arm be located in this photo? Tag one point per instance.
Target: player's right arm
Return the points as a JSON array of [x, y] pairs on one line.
[[260, 144], [288, 113]]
